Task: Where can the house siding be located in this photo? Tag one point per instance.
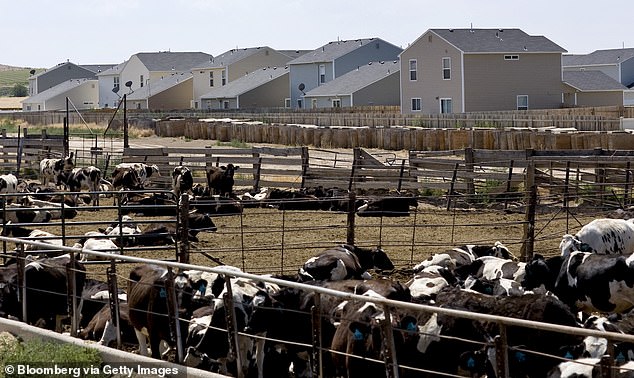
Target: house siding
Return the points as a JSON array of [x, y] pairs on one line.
[[84, 96], [492, 83], [373, 51], [603, 98], [627, 72], [269, 95], [58, 75], [176, 97], [612, 70], [308, 74], [132, 72], [107, 98], [384, 92]]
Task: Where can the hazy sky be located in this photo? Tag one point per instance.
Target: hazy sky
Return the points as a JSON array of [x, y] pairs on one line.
[[43, 33]]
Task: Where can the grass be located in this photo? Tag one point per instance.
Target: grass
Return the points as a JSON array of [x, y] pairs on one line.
[[9, 78], [233, 143], [58, 129]]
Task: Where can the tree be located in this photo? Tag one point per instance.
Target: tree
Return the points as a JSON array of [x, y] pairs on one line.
[[20, 90]]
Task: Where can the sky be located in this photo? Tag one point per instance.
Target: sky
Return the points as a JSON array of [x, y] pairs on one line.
[[43, 33]]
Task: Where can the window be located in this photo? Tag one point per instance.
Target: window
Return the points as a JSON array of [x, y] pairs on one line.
[[336, 103], [211, 78], [141, 81], [225, 104], [446, 68], [511, 57], [115, 82], [322, 74], [416, 105], [522, 102], [412, 70], [223, 77], [300, 103], [446, 106], [313, 103], [287, 103]]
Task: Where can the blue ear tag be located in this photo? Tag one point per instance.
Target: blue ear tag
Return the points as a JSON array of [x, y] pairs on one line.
[[358, 335], [162, 293], [202, 288], [470, 363], [620, 358], [568, 355], [411, 327], [520, 356]]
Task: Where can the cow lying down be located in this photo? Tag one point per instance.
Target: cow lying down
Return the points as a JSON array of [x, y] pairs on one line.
[[345, 262]]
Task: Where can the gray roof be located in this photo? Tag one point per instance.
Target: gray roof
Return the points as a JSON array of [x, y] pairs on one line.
[[63, 64], [246, 83], [589, 81], [230, 57], [59, 89], [333, 50], [172, 61], [157, 86], [613, 56], [115, 70], [293, 54], [356, 79], [97, 68], [497, 41]]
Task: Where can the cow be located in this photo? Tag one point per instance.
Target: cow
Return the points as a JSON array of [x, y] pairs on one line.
[[8, 185], [152, 205], [46, 294], [343, 262], [491, 267], [217, 205], [166, 233], [16, 213], [97, 242], [124, 233], [497, 287], [94, 295], [220, 179], [430, 281], [133, 175], [182, 180], [55, 208], [542, 272], [387, 206], [581, 368], [465, 255], [148, 306], [50, 169], [100, 327], [603, 236], [88, 178], [53, 242]]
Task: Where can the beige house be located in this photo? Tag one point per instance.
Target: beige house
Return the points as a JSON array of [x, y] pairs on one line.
[[82, 93], [232, 65], [470, 70], [168, 93]]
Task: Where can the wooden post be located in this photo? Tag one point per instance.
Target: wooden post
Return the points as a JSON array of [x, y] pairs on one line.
[[451, 186], [257, 168], [469, 162], [526, 251], [22, 281], [172, 310], [356, 160], [182, 246], [71, 275], [305, 165], [400, 176], [352, 199], [115, 316], [232, 328], [509, 181], [126, 138]]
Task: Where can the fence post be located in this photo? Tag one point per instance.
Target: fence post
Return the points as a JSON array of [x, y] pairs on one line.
[[626, 189], [316, 323], [501, 352], [232, 328], [509, 180], [305, 165], [400, 176], [257, 168], [111, 273], [469, 162], [526, 251], [606, 365], [22, 281], [182, 253], [389, 351], [71, 287], [352, 199], [172, 311], [452, 185]]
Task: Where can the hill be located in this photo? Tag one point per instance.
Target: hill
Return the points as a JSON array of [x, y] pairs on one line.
[[10, 76]]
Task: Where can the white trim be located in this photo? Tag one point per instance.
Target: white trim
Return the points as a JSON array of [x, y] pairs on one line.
[[463, 100], [409, 68], [517, 102], [411, 104], [440, 100], [443, 67]]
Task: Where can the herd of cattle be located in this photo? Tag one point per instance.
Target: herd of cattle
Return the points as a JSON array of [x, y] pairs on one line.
[[589, 284]]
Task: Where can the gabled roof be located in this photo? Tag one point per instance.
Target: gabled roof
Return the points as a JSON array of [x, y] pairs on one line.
[[497, 41], [246, 83], [613, 56], [293, 54], [158, 86], [230, 57], [589, 81], [59, 89], [172, 61], [90, 68], [333, 50], [97, 68], [115, 70], [356, 79]]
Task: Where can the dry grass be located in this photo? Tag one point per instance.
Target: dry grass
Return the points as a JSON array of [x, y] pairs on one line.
[[11, 103]]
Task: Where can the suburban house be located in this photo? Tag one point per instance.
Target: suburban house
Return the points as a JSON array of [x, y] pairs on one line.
[[167, 93], [375, 83], [263, 88], [234, 64], [470, 70], [63, 72], [148, 67], [617, 64], [332, 60], [594, 88], [110, 87], [82, 94]]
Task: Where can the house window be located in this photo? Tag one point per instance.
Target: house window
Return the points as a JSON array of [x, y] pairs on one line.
[[511, 57], [225, 104], [223, 77], [336, 103], [322, 73], [446, 68], [313, 103], [287, 103], [141, 80], [412, 69], [300, 103], [211, 78], [446, 105], [416, 105], [522, 102], [115, 82]]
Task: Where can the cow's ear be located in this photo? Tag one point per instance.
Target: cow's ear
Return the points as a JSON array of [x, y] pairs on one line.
[[236, 167], [359, 330]]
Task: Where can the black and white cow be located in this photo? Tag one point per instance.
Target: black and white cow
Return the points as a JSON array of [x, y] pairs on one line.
[[20, 214], [46, 294], [52, 241], [148, 303], [151, 205], [166, 233], [133, 175], [345, 262], [182, 180], [217, 205], [8, 185], [88, 178], [220, 179], [96, 241], [589, 282], [55, 208], [465, 255], [429, 281], [603, 236], [50, 169], [387, 206], [491, 267]]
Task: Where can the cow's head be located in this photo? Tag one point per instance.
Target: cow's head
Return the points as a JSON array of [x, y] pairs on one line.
[[9, 305], [500, 250], [152, 170], [229, 169], [381, 259], [570, 243]]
